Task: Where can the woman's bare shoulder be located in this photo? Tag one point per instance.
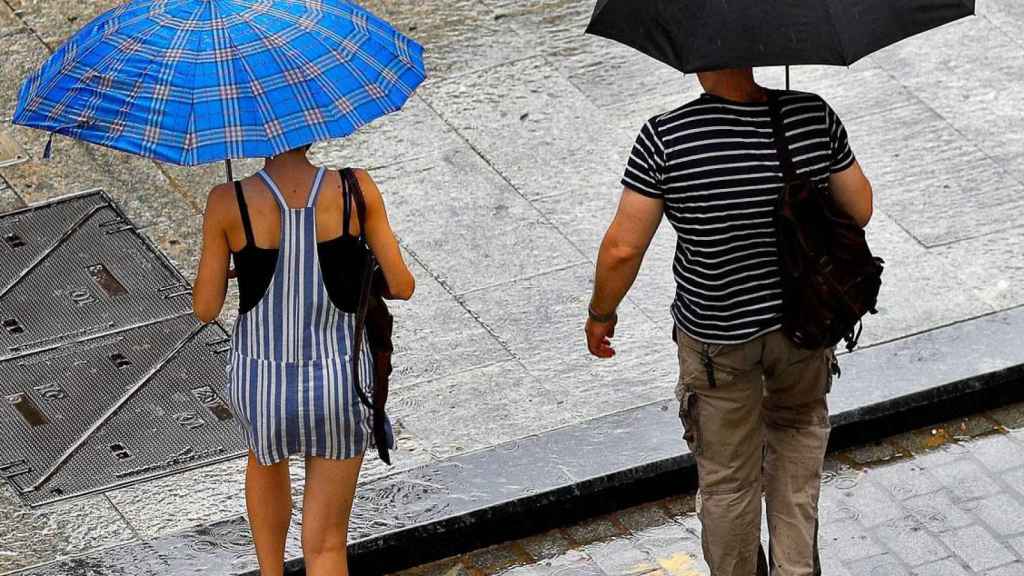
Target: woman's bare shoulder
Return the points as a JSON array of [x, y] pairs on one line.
[[366, 183], [220, 197]]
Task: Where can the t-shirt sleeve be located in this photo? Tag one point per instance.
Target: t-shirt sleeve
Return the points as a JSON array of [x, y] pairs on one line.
[[645, 165], [841, 154]]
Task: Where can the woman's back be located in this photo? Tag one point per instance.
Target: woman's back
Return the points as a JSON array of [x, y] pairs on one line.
[[255, 233], [295, 186]]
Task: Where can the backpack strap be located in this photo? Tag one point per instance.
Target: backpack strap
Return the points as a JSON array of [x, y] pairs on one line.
[[781, 142]]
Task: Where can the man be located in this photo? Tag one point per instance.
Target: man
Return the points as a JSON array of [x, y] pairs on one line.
[[752, 403]]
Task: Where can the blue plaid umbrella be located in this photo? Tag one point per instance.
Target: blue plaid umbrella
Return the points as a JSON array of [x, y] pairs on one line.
[[197, 81]]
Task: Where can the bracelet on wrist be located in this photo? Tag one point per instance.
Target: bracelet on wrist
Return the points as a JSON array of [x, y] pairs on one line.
[[602, 318]]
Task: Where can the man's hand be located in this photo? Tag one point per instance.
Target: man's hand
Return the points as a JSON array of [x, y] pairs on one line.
[[599, 338], [618, 262]]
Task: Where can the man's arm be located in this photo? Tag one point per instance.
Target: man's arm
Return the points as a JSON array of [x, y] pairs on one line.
[[618, 263], [853, 193]]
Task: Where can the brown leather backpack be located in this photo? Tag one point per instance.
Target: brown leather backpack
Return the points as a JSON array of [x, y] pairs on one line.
[[830, 279]]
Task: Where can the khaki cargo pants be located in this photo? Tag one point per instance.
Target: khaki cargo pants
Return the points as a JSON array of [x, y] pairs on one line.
[[757, 422]]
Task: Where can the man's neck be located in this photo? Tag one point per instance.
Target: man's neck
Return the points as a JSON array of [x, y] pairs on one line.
[[733, 85]]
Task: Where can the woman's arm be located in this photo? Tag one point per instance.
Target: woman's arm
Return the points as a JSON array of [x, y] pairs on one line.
[[212, 279], [401, 283]]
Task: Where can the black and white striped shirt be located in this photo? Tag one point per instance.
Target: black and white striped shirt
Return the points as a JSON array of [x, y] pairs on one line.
[[714, 163]]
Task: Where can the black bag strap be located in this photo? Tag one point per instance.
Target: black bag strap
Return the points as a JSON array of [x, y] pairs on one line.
[[346, 211], [243, 208], [781, 142], [351, 183]]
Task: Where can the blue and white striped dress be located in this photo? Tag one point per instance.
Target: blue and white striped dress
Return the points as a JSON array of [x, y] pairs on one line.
[[291, 382]]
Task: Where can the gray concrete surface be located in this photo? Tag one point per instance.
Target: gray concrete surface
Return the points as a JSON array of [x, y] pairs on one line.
[[947, 500], [500, 177]]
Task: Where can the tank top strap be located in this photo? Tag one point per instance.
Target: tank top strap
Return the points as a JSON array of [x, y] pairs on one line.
[[243, 209], [318, 182], [275, 191]]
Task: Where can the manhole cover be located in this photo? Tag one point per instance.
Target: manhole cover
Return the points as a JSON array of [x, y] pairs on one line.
[[76, 267], [106, 378]]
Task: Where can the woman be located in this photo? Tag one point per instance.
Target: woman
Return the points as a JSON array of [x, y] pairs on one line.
[[293, 232]]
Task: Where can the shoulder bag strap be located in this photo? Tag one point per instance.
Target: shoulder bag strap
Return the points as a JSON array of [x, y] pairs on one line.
[[351, 184], [781, 142]]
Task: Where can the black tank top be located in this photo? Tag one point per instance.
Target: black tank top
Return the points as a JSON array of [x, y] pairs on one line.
[[342, 262]]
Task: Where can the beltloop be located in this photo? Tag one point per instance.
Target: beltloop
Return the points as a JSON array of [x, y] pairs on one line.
[[709, 366]]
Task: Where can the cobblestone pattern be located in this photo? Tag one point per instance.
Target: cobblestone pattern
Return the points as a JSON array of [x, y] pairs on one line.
[[942, 501]]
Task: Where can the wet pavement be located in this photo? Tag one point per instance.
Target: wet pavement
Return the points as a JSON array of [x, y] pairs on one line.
[[945, 500], [500, 177]]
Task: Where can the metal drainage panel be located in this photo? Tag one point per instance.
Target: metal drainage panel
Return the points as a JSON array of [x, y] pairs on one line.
[[106, 378], [76, 267]]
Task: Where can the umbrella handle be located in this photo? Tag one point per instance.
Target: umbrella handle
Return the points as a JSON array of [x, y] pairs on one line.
[[787, 77], [230, 172]]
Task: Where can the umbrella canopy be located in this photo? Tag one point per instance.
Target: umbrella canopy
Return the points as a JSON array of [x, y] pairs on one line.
[[197, 81], [699, 35]]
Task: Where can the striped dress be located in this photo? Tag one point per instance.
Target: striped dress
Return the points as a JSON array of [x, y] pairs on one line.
[[290, 378]]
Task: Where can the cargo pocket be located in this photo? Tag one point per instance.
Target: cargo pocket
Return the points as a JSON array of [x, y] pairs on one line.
[[690, 415], [712, 365]]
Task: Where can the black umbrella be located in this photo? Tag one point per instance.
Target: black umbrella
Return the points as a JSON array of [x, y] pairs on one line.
[[696, 35]]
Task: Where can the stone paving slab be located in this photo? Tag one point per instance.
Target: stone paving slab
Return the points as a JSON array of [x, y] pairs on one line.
[[484, 234], [939, 186], [416, 132], [942, 533], [502, 175], [463, 35], [978, 96], [37, 536], [9, 199], [517, 117], [55, 20], [23, 52], [991, 266], [944, 294], [606, 72], [145, 192]]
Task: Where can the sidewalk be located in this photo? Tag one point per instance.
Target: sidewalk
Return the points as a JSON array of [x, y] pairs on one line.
[[943, 501], [500, 177]]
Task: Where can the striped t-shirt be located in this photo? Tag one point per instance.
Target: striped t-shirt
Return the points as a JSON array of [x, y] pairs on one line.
[[714, 163]]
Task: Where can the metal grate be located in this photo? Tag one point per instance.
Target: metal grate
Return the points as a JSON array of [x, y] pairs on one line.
[[106, 378]]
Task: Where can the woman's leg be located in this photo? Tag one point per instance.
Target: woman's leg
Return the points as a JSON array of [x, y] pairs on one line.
[[268, 498], [326, 507]]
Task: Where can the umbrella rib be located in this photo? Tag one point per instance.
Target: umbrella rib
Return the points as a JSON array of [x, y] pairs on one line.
[[297, 56], [88, 47], [190, 126], [260, 105], [139, 88], [369, 37]]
